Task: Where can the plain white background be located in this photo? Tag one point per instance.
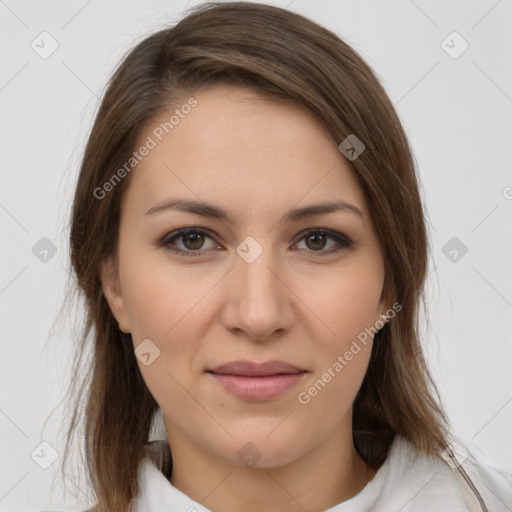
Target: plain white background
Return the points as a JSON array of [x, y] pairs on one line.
[[456, 108]]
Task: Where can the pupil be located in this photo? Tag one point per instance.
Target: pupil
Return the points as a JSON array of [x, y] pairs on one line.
[[197, 240], [317, 237]]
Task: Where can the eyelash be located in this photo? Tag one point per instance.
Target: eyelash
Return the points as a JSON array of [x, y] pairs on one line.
[[343, 240]]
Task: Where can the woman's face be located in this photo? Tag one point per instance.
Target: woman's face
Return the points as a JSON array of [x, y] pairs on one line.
[[260, 278]]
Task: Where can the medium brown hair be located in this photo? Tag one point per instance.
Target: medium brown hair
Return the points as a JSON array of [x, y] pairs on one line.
[[276, 52]]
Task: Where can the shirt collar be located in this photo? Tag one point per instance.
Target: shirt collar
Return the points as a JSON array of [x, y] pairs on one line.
[[157, 492]]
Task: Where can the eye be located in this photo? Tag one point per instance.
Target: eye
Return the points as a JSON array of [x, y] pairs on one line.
[[316, 240], [191, 241]]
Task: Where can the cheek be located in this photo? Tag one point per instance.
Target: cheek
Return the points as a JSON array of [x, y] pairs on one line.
[[166, 305], [345, 303], [348, 306], [328, 396], [171, 306], [161, 299]]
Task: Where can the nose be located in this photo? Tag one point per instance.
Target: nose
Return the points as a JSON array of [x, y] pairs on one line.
[[258, 301]]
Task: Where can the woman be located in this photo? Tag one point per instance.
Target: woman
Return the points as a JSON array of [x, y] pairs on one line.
[[248, 234]]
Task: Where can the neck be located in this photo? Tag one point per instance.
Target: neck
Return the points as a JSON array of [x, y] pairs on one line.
[[330, 474]]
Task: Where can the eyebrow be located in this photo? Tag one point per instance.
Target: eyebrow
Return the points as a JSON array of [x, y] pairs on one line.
[[212, 211]]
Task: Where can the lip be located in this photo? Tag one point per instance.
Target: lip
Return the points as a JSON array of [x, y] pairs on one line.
[[254, 369], [257, 381]]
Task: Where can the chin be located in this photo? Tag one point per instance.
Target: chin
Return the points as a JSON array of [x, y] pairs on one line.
[[256, 448]]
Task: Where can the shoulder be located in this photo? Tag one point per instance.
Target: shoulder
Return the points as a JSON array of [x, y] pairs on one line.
[[493, 484], [418, 482]]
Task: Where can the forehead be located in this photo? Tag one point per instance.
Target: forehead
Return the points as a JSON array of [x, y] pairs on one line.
[[236, 146]]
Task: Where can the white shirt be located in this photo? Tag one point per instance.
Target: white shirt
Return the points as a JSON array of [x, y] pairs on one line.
[[408, 481]]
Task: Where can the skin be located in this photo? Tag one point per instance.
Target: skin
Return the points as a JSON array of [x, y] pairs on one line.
[[257, 158]]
